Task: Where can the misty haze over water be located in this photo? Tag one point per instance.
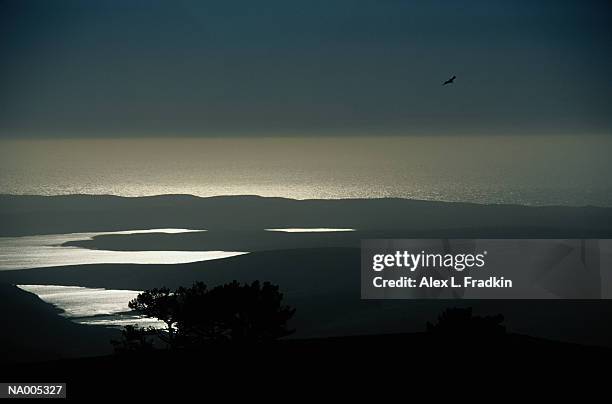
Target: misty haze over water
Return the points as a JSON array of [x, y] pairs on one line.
[[531, 170]]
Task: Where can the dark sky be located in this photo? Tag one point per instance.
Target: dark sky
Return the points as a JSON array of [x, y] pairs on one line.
[[141, 68]]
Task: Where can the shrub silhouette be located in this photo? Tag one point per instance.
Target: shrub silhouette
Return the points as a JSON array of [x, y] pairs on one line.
[[460, 322], [230, 312], [133, 339]]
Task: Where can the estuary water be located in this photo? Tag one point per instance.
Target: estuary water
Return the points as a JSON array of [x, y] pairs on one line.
[[98, 306], [95, 306], [46, 251]]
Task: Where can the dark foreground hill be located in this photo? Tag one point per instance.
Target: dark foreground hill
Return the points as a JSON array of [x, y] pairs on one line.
[[369, 366], [324, 286], [373, 367], [34, 331]]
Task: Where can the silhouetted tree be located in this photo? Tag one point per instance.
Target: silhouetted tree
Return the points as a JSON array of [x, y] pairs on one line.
[[246, 313], [231, 312], [161, 304], [461, 322], [133, 340]]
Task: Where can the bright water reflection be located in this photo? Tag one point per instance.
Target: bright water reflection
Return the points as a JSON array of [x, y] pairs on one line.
[[46, 251], [95, 306]]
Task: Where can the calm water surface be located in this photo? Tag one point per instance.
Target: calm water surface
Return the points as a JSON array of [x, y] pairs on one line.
[[94, 306], [530, 170], [98, 306], [46, 251]]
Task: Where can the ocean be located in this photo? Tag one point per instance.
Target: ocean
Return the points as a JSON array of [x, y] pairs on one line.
[[530, 170]]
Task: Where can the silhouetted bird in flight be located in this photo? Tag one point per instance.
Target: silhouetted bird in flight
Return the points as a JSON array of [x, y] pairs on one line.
[[449, 81]]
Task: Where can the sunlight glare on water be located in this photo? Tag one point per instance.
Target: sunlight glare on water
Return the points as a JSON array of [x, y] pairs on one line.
[[46, 251], [94, 306], [529, 170]]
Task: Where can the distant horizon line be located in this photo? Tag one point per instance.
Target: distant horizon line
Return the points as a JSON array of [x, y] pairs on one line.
[[293, 136], [255, 196]]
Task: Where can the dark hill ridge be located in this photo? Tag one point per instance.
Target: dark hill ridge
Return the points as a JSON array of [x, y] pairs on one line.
[[261, 240], [27, 215], [302, 270]]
